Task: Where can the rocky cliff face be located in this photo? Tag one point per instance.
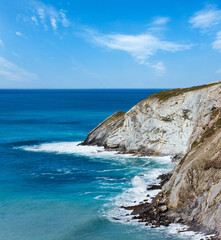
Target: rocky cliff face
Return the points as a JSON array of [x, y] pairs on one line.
[[165, 123], [194, 191], [181, 122]]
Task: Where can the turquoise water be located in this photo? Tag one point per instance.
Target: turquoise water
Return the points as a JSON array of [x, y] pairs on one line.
[[52, 189]]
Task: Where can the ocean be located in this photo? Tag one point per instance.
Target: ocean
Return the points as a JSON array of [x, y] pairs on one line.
[[53, 189]]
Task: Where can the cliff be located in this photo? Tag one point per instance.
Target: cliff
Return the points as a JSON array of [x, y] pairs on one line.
[[165, 123], [186, 124], [194, 190]]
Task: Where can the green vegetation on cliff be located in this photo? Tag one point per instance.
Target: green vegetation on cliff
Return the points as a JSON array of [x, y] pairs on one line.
[[167, 94]]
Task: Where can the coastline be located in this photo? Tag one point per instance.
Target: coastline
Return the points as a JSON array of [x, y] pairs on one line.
[[138, 211], [182, 123], [156, 212]]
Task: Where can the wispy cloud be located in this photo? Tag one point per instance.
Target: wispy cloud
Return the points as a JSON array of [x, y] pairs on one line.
[[53, 23], [34, 20], [217, 43], [1, 43], [161, 20], [209, 20], [12, 72], [158, 25], [206, 18], [141, 46], [19, 34], [47, 16], [158, 67], [64, 19]]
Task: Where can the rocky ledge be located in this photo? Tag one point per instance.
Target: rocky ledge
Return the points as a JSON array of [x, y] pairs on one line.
[[185, 124]]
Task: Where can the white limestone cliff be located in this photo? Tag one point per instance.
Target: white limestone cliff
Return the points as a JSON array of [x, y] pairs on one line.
[[165, 123]]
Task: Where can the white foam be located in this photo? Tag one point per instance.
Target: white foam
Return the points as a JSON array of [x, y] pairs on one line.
[[139, 185], [99, 197], [81, 150], [135, 195], [67, 148], [180, 229], [131, 196]]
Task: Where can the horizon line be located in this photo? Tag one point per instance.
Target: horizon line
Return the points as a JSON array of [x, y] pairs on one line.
[[80, 88]]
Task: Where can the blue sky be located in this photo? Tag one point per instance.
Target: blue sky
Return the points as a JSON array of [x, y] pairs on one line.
[[109, 43]]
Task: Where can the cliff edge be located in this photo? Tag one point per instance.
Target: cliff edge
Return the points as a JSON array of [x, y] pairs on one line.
[[165, 123]]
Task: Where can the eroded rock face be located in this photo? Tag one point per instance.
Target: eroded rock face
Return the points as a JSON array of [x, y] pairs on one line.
[[100, 134], [179, 122], [194, 190], [165, 123]]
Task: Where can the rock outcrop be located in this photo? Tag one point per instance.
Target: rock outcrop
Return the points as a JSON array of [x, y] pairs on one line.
[[104, 130], [184, 123], [194, 190], [165, 123], [192, 195]]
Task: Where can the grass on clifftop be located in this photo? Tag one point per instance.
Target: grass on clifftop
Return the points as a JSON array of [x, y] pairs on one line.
[[165, 95], [116, 116]]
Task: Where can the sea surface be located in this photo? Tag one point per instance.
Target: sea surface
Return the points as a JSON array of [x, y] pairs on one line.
[[53, 189]]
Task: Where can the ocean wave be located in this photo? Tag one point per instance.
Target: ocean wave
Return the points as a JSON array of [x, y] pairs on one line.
[[137, 194], [99, 197], [68, 148], [134, 195], [81, 150]]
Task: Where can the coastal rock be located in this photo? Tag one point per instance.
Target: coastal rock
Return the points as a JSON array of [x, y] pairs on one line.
[[163, 208], [194, 190], [185, 124], [99, 135], [165, 123]]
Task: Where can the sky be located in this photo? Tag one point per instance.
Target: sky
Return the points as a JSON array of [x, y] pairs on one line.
[[73, 44]]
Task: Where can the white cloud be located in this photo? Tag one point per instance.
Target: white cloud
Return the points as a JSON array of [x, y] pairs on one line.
[[34, 19], [217, 43], [41, 15], [161, 21], [53, 24], [158, 25], [159, 67], [12, 72], [206, 18], [46, 16], [141, 46], [64, 19], [19, 34], [209, 19], [1, 43]]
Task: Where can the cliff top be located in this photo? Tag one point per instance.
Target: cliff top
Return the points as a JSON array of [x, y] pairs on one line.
[[167, 94]]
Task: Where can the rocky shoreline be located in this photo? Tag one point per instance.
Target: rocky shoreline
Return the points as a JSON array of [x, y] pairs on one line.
[[183, 123], [157, 212]]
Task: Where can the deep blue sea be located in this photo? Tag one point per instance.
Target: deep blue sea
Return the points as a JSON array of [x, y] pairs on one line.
[[52, 189]]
